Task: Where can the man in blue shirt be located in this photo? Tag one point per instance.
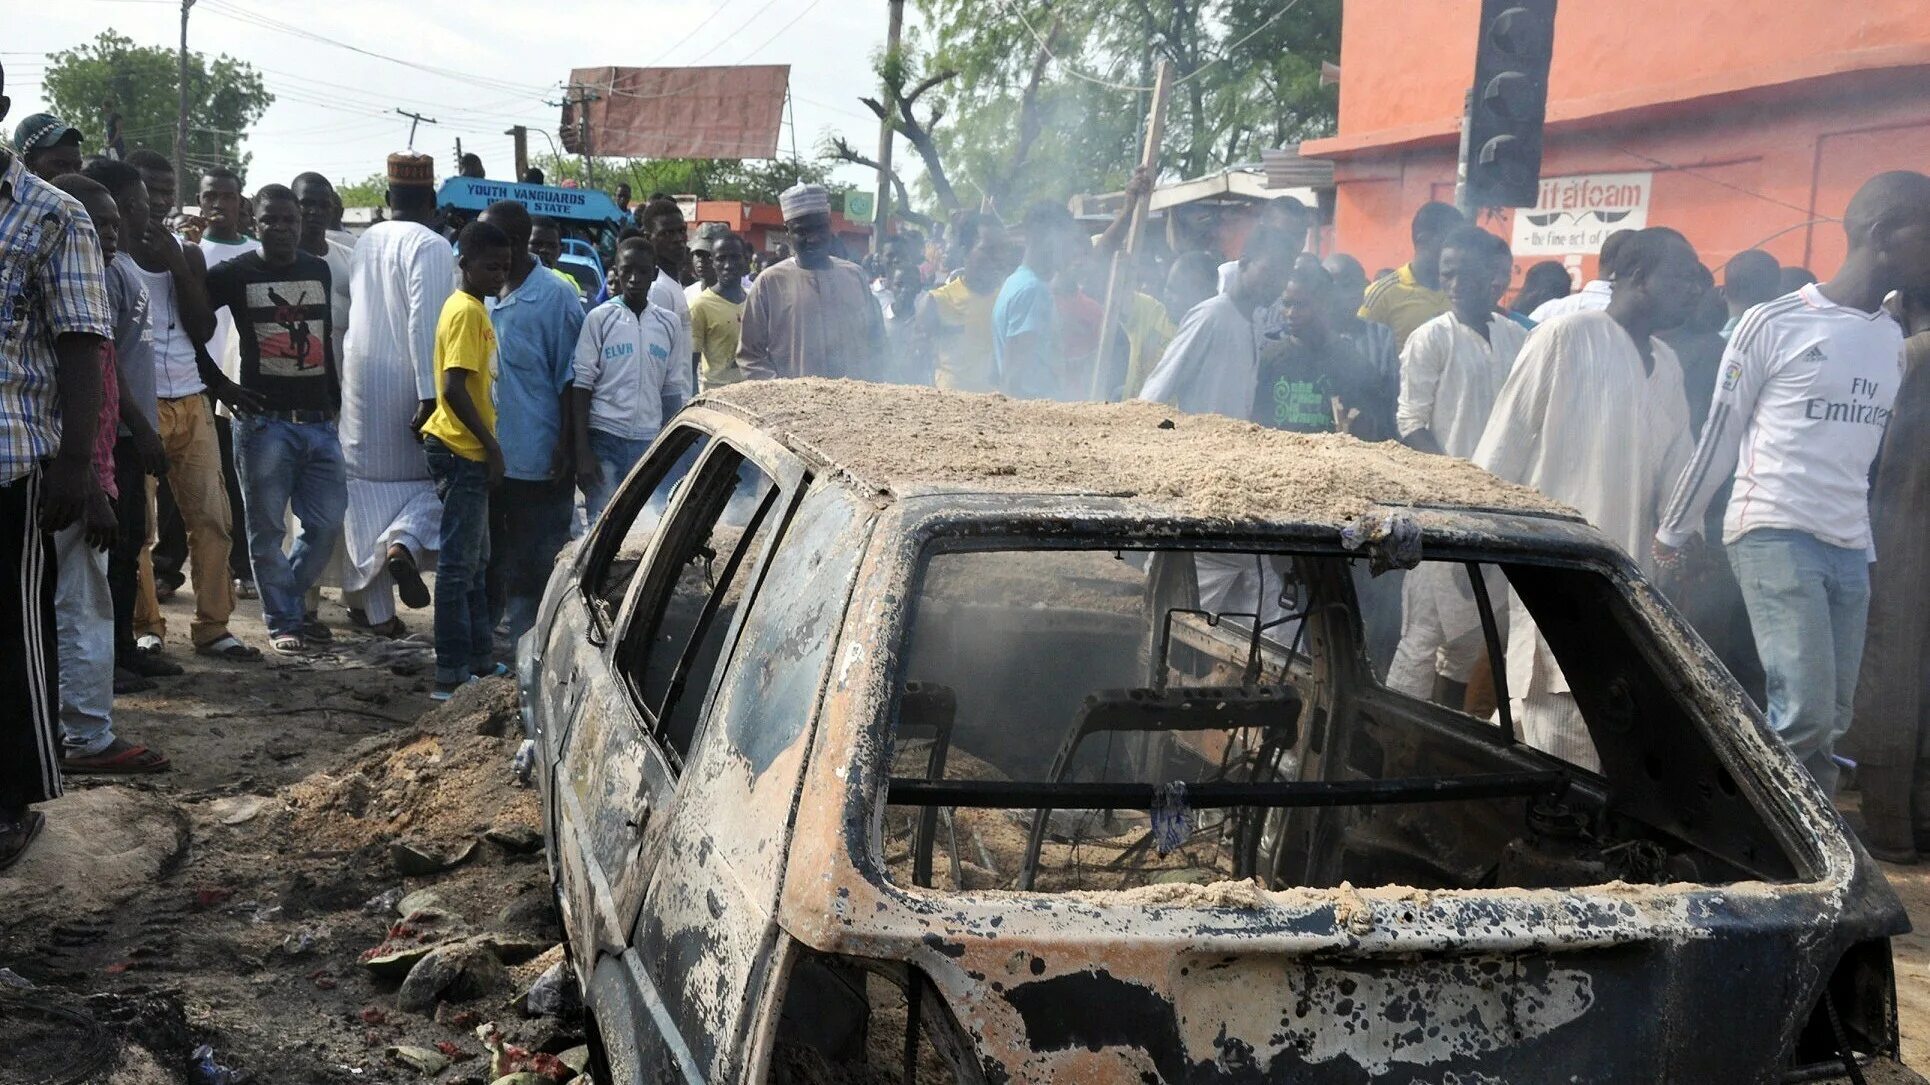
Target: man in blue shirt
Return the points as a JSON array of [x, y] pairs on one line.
[[537, 320], [1025, 331]]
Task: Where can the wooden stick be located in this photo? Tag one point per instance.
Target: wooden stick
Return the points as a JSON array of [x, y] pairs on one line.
[[1122, 283]]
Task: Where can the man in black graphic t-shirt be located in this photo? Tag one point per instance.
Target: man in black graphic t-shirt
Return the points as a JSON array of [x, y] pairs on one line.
[[287, 452]]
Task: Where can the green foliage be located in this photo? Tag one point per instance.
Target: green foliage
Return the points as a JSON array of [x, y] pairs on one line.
[[371, 191], [706, 178], [1248, 94], [225, 97]]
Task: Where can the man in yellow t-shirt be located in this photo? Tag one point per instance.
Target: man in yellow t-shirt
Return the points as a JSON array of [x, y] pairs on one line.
[[1412, 296], [464, 459], [1148, 331], [953, 334], [717, 314]]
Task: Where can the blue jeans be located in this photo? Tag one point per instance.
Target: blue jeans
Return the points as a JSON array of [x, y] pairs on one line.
[[464, 633], [1808, 602], [282, 465], [614, 458], [529, 525]]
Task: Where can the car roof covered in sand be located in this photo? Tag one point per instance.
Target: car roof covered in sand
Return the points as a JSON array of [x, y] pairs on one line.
[[889, 440]]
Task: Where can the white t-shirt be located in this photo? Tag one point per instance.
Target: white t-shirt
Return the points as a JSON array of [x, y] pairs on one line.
[[1800, 407], [668, 294], [1592, 297], [1450, 377], [1212, 366]]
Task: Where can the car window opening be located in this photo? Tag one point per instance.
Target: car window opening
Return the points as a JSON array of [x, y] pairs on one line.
[[1105, 720]]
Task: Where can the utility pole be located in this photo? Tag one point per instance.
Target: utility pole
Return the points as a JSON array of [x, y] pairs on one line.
[[881, 218], [181, 110], [581, 96], [414, 119], [520, 135]]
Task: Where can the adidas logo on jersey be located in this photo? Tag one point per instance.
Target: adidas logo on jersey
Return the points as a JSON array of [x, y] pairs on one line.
[[1813, 354]]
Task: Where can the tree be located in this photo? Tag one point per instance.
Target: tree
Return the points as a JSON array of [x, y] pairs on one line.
[[141, 82], [371, 191], [749, 180], [903, 84], [1248, 74]]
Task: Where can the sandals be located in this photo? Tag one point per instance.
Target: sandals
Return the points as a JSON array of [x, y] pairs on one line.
[[288, 644], [230, 649], [147, 664], [120, 758], [149, 643], [408, 579], [16, 835], [393, 629]]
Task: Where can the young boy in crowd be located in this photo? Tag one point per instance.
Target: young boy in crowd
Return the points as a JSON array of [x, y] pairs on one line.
[[83, 603], [628, 380], [464, 459]]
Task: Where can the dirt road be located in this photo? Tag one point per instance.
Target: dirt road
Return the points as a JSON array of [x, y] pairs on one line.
[[232, 901]]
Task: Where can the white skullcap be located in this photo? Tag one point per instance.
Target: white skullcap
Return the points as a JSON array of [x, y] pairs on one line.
[[800, 200]]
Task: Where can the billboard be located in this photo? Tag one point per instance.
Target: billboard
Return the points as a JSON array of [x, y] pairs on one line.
[[721, 112], [1575, 214]]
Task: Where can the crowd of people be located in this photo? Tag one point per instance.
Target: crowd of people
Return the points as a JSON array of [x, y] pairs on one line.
[[370, 408]]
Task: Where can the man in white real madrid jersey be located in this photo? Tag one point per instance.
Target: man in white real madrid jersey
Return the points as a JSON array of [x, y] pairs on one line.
[[1804, 394]]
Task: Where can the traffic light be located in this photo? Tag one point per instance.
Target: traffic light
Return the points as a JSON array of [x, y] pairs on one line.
[[1501, 141]]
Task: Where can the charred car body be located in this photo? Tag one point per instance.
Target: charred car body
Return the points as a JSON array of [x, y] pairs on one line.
[[894, 735]]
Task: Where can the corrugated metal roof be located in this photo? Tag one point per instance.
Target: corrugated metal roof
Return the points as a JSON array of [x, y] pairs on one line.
[[1286, 169]]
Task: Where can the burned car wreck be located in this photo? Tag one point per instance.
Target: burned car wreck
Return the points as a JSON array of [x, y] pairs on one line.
[[894, 735]]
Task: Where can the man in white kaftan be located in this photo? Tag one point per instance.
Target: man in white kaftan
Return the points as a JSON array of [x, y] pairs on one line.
[[401, 273], [1591, 419]]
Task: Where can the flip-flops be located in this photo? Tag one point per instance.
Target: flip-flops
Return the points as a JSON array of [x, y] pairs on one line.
[[120, 758], [230, 649], [408, 580], [288, 644], [16, 835]]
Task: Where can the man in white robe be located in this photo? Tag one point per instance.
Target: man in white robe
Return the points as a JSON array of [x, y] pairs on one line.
[[1212, 365], [401, 273], [1593, 415], [1452, 368]]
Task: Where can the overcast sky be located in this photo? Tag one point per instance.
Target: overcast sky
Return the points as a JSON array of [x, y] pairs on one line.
[[334, 107]]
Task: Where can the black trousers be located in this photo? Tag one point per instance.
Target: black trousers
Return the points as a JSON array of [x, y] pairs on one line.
[[124, 560], [29, 725]]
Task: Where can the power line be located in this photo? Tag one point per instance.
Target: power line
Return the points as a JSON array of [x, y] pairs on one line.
[[780, 31], [244, 15], [1069, 69], [714, 12]]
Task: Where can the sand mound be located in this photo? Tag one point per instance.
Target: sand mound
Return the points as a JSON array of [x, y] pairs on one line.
[[889, 437], [439, 785], [101, 844]]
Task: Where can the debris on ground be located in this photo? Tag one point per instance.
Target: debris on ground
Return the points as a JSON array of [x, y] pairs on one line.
[[452, 972], [423, 1060]]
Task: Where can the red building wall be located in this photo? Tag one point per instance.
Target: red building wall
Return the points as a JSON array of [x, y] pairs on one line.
[[1756, 121]]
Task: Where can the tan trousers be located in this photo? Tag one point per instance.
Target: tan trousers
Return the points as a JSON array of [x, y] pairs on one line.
[[194, 474]]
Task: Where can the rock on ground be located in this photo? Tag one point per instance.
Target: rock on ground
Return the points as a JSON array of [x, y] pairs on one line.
[[456, 972]]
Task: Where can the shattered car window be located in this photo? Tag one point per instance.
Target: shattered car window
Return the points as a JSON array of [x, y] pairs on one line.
[[1102, 720], [640, 515]]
